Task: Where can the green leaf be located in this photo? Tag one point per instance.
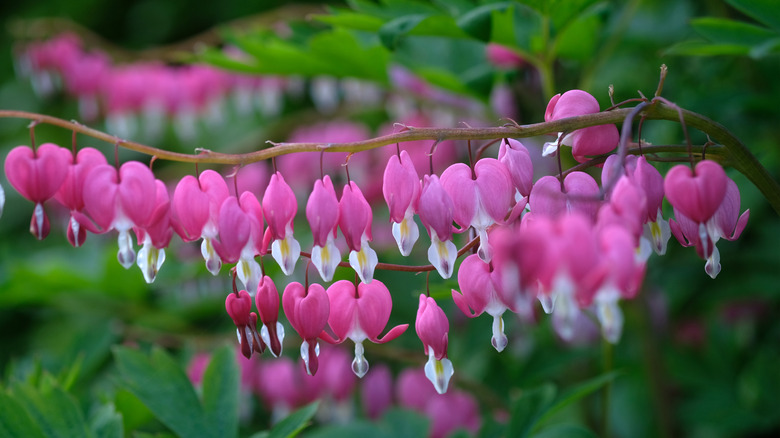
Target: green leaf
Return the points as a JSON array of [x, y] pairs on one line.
[[405, 423], [15, 421], [106, 422], [529, 409], [294, 423], [768, 47], [763, 11], [578, 392], [351, 20], [478, 21], [565, 430], [159, 382], [220, 393], [53, 410], [578, 41], [704, 48], [391, 32], [724, 31], [360, 428]]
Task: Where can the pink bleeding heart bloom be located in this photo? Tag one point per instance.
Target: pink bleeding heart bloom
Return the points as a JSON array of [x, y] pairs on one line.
[[308, 313], [594, 140], [619, 275], [436, 212], [121, 200], [401, 188], [322, 211], [697, 194], [267, 302], [156, 236], [726, 223], [355, 218], [452, 411], [581, 194], [656, 230], [280, 207], [195, 212], [360, 314], [377, 391], [432, 329], [518, 163], [626, 208], [241, 237], [480, 199], [480, 293], [70, 193], [239, 308], [37, 175], [503, 57]]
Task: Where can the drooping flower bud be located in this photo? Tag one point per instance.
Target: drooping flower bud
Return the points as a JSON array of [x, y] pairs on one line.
[[308, 313], [322, 211], [280, 207], [267, 302], [355, 218], [436, 210], [401, 189], [432, 328]]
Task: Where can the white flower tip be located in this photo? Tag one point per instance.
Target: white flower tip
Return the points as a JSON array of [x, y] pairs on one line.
[[610, 317], [438, 372], [286, 252], [126, 254], [442, 256], [364, 262], [712, 267], [499, 339], [406, 234], [326, 259], [213, 262], [548, 303]]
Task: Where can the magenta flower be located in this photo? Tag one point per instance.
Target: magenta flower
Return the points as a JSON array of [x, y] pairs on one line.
[[361, 314], [121, 200], [239, 306], [503, 57], [432, 328], [436, 211], [195, 212], [308, 313], [594, 140], [241, 237], [697, 195], [267, 302], [479, 199], [515, 157], [355, 218], [156, 236], [322, 211], [453, 411], [480, 294], [581, 194], [726, 223], [401, 188], [70, 193], [37, 175], [377, 392], [280, 207]]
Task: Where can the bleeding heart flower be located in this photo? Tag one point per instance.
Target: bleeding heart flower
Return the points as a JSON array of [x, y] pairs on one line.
[[355, 218], [280, 207], [322, 211], [241, 237], [360, 314], [37, 175], [156, 236], [401, 188], [195, 212], [267, 302], [239, 306], [70, 193], [697, 194], [436, 211], [308, 313], [432, 328], [479, 199]]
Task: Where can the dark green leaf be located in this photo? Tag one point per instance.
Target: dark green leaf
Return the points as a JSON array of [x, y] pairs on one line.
[[578, 392], [578, 40], [360, 428], [351, 20], [106, 422], [15, 421], [763, 11], [159, 382], [768, 47], [405, 423], [294, 423], [565, 430], [391, 32], [529, 409], [53, 410], [724, 31], [478, 21], [703, 48], [220, 393]]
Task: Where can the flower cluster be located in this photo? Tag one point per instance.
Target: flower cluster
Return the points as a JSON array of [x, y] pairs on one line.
[[568, 242]]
